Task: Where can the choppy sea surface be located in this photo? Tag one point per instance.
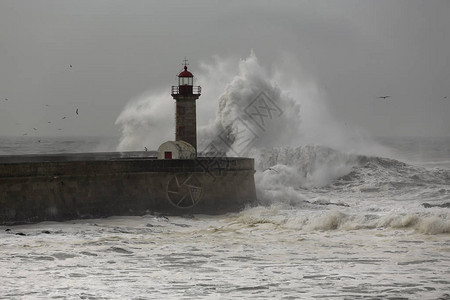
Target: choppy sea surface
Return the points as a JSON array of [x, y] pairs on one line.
[[329, 225]]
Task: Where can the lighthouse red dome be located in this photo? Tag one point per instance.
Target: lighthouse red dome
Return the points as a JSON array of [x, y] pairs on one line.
[[185, 73]]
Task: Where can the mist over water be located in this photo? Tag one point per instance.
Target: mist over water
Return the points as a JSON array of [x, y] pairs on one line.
[[247, 109], [145, 122], [296, 113]]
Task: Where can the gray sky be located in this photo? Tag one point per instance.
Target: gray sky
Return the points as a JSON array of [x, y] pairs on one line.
[[355, 51]]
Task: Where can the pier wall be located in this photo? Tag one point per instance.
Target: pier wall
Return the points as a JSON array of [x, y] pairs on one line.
[[99, 185]]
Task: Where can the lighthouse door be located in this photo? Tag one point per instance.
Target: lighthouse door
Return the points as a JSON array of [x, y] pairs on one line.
[[167, 155]]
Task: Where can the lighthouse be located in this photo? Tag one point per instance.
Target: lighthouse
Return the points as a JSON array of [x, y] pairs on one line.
[[185, 95]]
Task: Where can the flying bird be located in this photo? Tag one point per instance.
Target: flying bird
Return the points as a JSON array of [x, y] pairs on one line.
[[71, 66], [34, 128], [63, 118], [384, 97], [77, 111], [145, 148], [48, 122], [6, 99]]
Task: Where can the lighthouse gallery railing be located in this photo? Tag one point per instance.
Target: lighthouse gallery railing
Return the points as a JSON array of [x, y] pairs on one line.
[[176, 90]]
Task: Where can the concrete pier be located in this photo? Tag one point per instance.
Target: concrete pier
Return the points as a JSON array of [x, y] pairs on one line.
[[35, 188]]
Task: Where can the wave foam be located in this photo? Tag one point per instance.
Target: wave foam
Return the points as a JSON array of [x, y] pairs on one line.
[[334, 219], [426, 224]]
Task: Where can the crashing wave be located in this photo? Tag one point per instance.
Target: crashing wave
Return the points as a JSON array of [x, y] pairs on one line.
[[334, 219]]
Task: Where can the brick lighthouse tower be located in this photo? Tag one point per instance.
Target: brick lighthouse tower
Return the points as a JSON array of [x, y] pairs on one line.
[[185, 95]]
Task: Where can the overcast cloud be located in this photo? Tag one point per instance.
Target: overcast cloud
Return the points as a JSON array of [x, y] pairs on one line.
[[96, 56]]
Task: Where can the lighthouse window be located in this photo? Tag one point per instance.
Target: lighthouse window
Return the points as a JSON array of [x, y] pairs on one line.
[[180, 131], [185, 80]]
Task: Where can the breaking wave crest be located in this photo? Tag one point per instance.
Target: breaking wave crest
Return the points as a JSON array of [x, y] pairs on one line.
[[298, 176], [252, 111], [334, 219], [304, 167], [379, 173], [317, 166]]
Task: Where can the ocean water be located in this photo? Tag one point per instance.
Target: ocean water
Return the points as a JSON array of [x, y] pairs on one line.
[[329, 225]]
